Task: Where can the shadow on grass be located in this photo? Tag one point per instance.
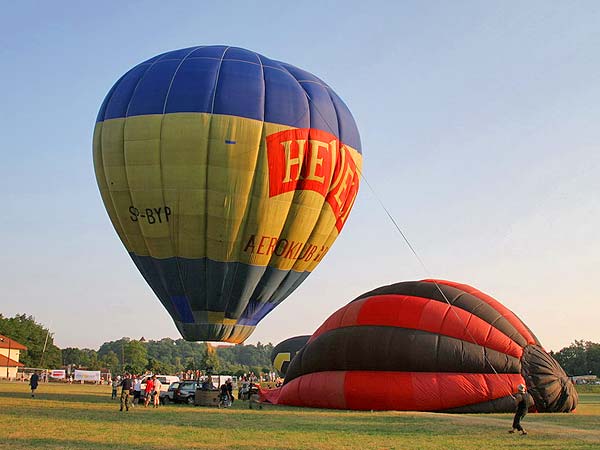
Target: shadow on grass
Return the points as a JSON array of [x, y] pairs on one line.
[[51, 443], [40, 443], [284, 420], [53, 396], [68, 444]]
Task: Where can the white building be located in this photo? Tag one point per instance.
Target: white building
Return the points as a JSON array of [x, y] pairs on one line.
[[10, 352]]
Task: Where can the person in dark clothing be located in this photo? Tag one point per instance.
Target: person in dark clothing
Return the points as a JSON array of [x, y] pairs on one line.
[[229, 385], [33, 383], [521, 401], [224, 396], [207, 385], [126, 386], [115, 385]]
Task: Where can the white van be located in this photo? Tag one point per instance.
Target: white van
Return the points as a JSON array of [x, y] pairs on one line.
[[165, 381]]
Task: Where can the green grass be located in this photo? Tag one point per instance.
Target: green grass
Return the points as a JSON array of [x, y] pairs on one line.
[[83, 417]]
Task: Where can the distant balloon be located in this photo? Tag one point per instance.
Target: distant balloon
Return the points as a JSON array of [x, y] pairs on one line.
[[403, 347], [285, 351], [227, 176]]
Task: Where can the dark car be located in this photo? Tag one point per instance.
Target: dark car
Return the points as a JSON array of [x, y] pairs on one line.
[[185, 392], [169, 395]]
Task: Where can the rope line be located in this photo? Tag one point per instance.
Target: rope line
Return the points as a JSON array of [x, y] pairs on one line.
[[437, 285]]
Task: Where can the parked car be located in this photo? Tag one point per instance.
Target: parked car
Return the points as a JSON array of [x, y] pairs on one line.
[[165, 380], [168, 396], [185, 392]]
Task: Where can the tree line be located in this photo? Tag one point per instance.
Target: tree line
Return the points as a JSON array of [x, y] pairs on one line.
[[176, 355], [580, 358], [135, 356]]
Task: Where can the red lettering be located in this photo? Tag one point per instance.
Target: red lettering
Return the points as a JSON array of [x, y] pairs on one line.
[[271, 246], [303, 251], [300, 159], [309, 254], [292, 250], [261, 244], [320, 253], [344, 189], [310, 159]]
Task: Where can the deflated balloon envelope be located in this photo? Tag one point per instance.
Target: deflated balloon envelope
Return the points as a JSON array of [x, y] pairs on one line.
[[228, 176], [403, 347]]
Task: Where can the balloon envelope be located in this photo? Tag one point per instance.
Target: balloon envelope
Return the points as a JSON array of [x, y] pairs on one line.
[[403, 347], [284, 352], [227, 176]]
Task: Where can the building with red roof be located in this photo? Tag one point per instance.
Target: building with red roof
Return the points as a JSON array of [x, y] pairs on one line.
[[10, 351]]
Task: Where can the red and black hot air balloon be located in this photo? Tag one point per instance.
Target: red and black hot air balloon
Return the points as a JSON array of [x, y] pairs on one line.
[[426, 345]]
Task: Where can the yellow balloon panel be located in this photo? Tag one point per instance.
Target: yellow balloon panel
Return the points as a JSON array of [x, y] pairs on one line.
[[231, 189]]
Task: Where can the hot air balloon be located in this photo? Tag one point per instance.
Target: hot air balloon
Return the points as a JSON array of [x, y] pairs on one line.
[[285, 351], [227, 176], [428, 345]]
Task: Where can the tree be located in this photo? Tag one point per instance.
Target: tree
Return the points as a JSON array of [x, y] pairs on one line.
[[39, 341], [593, 357], [190, 363], [210, 360], [83, 358], [580, 358], [159, 367], [117, 347], [111, 362], [245, 358], [136, 357], [573, 359], [71, 356]]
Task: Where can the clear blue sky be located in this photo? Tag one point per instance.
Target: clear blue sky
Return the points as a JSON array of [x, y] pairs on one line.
[[479, 123]]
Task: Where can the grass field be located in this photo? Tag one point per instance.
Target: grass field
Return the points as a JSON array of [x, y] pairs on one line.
[[66, 416]]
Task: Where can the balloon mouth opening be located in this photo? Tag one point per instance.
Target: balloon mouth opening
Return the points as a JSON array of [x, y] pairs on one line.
[[214, 332], [547, 382]]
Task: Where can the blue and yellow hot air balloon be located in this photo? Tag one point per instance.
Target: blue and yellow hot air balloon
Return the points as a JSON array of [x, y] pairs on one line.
[[227, 176]]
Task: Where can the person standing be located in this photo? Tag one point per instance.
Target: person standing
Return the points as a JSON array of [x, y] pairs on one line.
[[149, 389], [125, 388], [156, 391], [223, 396], [229, 385], [115, 385], [137, 390], [33, 383], [521, 402]]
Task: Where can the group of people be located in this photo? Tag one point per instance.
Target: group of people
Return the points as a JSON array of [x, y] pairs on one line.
[[131, 386], [131, 391]]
